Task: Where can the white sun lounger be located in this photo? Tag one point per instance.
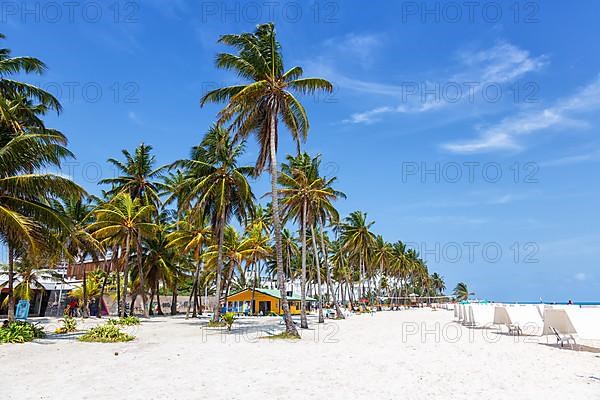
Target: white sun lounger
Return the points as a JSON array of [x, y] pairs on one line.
[[481, 315], [522, 318], [558, 324]]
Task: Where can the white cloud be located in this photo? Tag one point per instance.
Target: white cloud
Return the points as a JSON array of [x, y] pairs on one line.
[[500, 64], [360, 46], [503, 62], [504, 135], [580, 276], [369, 116], [452, 219], [133, 117], [572, 159]]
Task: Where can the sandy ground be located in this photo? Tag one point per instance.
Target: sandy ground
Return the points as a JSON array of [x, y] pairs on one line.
[[416, 354]]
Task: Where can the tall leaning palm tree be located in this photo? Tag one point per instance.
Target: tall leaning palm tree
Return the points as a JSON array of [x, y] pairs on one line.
[[220, 189], [257, 107]]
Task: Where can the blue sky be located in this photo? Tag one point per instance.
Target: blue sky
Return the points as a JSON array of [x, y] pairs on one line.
[[470, 133]]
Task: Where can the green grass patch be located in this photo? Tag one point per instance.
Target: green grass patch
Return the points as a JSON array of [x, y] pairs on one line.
[[216, 324], [282, 336], [20, 332], [106, 334], [125, 321]]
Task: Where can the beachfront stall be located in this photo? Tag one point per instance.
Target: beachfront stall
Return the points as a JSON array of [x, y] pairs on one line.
[[266, 301]]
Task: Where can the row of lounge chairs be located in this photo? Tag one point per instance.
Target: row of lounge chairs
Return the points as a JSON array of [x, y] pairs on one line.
[[566, 323]]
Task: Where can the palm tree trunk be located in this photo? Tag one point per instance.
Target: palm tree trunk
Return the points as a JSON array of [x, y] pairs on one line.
[[318, 271], [11, 277], [361, 285], [174, 299], [252, 308], [104, 282], [228, 285], [85, 309], [132, 305], [217, 310], [379, 283], [194, 286], [338, 310], [125, 274], [151, 303], [303, 320], [141, 272], [290, 328], [159, 310], [118, 272]]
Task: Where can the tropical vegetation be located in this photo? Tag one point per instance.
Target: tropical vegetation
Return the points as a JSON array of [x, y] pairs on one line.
[[196, 227]]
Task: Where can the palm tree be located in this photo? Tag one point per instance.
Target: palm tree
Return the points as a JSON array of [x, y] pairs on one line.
[[26, 213], [260, 219], [256, 247], [79, 243], [160, 261], [359, 240], [11, 89], [192, 234], [173, 186], [437, 283], [383, 255], [290, 251], [92, 288], [120, 221], [461, 291], [26, 148], [30, 277], [233, 256], [258, 106], [138, 175], [220, 188], [295, 191]]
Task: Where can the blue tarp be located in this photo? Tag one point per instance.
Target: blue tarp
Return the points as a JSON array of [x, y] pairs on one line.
[[22, 310]]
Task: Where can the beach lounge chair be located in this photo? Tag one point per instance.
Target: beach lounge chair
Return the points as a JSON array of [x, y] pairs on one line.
[[563, 339], [481, 315], [519, 318]]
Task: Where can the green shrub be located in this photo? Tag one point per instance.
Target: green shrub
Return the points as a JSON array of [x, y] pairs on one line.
[[228, 319], [283, 336], [216, 324], [125, 321], [69, 325], [106, 334], [20, 332]]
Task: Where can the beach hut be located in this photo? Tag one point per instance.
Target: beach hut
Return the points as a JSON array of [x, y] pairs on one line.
[[266, 301]]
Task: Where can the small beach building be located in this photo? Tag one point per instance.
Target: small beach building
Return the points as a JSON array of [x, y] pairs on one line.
[[266, 301]]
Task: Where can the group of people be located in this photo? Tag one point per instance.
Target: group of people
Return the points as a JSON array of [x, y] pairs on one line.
[[73, 308]]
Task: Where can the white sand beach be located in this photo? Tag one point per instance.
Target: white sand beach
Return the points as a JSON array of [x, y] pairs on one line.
[[416, 354]]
